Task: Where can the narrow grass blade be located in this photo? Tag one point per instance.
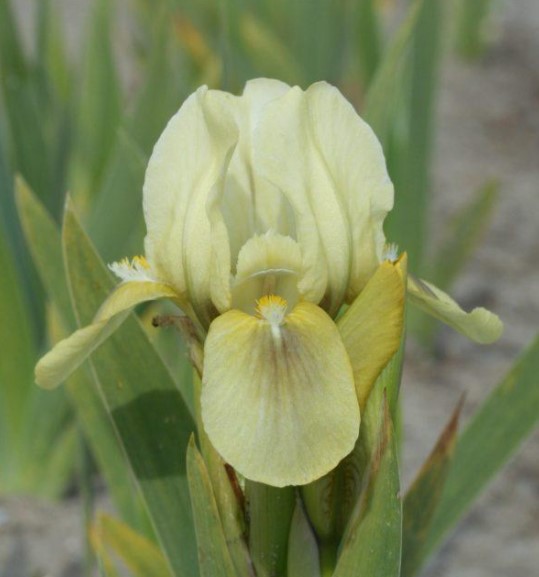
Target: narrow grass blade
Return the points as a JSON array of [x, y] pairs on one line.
[[17, 348], [367, 40], [471, 21], [461, 239], [423, 497], [98, 108], [268, 53], [213, 555], [140, 555], [386, 87], [317, 38], [463, 234], [23, 108], [492, 436], [371, 546], [148, 412], [414, 143]]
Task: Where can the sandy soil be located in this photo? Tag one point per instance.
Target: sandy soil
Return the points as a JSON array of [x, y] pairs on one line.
[[488, 127]]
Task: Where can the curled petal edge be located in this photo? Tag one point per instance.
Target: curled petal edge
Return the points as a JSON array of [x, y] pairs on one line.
[[480, 325]]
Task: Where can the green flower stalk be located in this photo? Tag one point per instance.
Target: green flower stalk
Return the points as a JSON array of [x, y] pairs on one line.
[[264, 217]]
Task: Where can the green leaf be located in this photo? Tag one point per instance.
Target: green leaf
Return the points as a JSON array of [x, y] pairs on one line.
[[268, 53], [491, 437], [386, 86], [140, 555], [213, 555], [229, 496], [371, 546], [115, 234], [463, 234], [368, 40], [17, 347], [471, 20], [303, 554], [98, 109], [24, 111], [412, 144], [148, 412], [424, 495], [44, 242]]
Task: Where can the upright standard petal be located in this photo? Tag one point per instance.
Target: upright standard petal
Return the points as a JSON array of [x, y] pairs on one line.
[[186, 163], [70, 353], [480, 325], [371, 329], [354, 158], [285, 154], [278, 400]]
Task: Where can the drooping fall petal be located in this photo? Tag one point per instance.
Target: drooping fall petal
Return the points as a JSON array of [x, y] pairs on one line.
[[278, 401], [71, 352]]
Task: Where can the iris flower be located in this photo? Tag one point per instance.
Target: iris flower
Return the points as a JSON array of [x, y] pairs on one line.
[[264, 217]]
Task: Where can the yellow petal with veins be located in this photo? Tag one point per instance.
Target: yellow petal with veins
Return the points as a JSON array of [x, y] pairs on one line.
[[479, 325], [278, 397], [71, 352], [371, 329]]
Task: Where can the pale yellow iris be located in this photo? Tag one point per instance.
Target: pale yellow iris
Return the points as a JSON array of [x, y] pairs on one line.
[[264, 217]]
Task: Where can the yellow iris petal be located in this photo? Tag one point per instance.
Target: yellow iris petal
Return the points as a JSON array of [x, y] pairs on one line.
[[71, 352], [479, 325], [278, 400], [371, 329]]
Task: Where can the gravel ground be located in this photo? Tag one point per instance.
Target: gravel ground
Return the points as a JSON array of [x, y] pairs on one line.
[[488, 127]]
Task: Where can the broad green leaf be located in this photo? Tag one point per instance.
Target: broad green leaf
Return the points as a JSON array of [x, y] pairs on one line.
[[140, 555], [371, 546], [44, 242], [423, 496], [491, 437], [214, 558], [147, 410]]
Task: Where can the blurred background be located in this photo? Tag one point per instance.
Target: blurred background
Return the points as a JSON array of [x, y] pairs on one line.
[[451, 87]]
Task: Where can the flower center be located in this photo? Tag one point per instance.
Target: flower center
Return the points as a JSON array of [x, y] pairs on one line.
[[272, 308]]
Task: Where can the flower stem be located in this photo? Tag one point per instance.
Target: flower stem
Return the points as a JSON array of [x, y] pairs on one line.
[[270, 515]]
